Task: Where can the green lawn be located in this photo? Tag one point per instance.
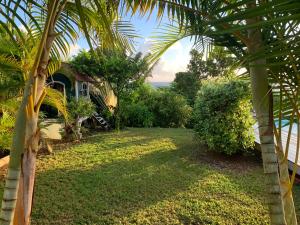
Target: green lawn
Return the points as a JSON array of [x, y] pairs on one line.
[[146, 176]]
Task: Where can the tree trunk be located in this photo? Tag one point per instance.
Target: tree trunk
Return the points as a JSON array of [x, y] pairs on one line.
[[261, 101], [26, 187], [270, 163], [13, 176], [16, 195], [260, 90], [27, 175]]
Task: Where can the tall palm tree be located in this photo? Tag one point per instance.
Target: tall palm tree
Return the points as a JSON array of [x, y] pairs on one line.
[[246, 28], [52, 24]]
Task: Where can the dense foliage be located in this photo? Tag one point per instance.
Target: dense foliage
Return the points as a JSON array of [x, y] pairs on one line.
[[123, 72], [7, 122], [222, 116], [82, 107], [147, 107], [187, 84], [218, 63]]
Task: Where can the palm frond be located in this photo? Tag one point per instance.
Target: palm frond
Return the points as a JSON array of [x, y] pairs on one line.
[[56, 99]]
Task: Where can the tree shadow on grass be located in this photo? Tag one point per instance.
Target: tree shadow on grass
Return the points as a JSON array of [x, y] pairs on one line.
[[108, 192]]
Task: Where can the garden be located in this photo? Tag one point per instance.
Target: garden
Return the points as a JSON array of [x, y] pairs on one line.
[[87, 138]]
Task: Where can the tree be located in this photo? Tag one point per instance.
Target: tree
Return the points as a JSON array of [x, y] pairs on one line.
[[53, 25], [187, 84], [219, 63], [223, 118], [123, 72], [248, 29]]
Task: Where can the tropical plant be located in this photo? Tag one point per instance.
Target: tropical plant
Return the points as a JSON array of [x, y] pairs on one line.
[[250, 29], [223, 119], [80, 108], [147, 107], [52, 25], [121, 71], [12, 84], [170, 109], [7, 122]]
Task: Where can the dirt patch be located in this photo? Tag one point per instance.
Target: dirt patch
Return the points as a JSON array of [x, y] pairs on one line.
[[238, 163]]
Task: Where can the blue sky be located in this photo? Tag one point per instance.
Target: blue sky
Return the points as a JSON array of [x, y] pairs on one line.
[[174, 60]]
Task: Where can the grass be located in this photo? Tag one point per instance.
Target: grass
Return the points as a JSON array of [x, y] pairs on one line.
[[146, 176]]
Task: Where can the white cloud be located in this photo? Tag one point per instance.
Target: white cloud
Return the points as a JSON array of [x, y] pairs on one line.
[[74, 49], [174, 60]]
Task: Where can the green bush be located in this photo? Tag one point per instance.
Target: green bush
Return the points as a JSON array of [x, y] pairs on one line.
[[82, 107], [147, 107], [170, 109], [7, 123], [222, 116], [137, 115]]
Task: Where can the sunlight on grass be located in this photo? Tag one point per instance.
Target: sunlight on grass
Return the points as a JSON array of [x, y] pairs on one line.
[[144, 176]]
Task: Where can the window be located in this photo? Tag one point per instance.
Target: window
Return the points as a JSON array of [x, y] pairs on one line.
[[83, 90]]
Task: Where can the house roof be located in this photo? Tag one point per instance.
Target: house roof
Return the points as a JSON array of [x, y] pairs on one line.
[[68, 71], [82, 77]]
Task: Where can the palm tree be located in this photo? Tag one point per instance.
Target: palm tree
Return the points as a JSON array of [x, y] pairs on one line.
[[12, 60], [248, 29], [53, 24]]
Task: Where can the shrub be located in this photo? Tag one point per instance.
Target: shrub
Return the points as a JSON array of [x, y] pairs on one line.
[[82, 107], [147, 107], [7, 123], [222, 116], [170, 109], [137, 115]]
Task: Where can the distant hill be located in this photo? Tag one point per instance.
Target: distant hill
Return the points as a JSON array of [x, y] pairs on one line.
[[160, 84]]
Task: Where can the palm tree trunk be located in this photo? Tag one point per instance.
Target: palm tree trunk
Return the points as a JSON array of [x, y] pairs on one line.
[[13, 176], [18, 193], [262, 106], [26, 187], [261, 101], [270, 162]]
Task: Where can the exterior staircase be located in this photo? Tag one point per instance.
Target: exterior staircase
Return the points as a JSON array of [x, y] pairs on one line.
[[101, 121]]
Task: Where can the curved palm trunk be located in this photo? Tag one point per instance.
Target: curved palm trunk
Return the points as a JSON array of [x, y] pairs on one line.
[[17, 201], [26, 187], [13, 175]]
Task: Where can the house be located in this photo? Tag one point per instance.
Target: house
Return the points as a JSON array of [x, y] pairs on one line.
[[73, 84]]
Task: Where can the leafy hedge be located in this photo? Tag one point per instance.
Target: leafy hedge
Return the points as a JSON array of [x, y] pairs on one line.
[[137, 115], [149, 107], [222, 116], [7, 123]]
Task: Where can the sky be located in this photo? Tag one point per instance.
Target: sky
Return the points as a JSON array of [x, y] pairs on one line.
[[172, 61]]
